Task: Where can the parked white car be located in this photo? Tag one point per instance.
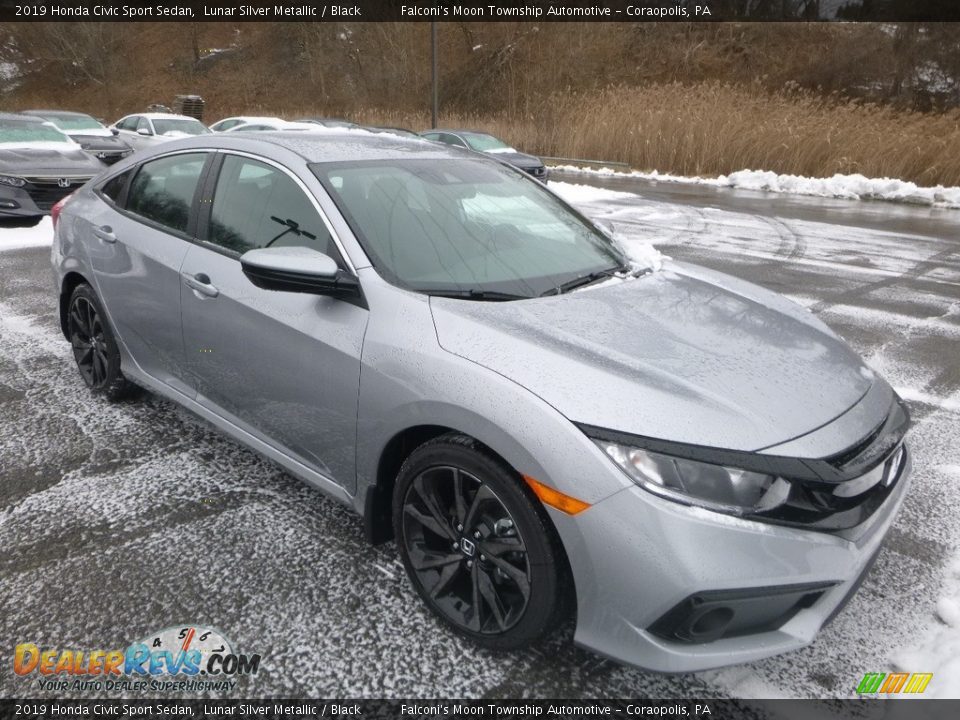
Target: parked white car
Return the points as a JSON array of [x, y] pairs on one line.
[[148, 129]]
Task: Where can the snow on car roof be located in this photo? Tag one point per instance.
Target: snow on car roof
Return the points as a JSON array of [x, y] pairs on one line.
[[325, 144]]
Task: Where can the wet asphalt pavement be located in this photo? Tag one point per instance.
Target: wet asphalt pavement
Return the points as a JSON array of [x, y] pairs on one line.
[[120, 520]]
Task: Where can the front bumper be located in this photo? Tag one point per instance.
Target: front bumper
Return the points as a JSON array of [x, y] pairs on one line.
[[37, 196], [636, 558], [17, 203]]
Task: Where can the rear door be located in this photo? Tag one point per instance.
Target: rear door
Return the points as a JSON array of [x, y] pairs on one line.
[[139, 236], [282, 366]]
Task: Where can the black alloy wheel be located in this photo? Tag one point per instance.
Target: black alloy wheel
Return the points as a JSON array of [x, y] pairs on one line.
[[94, 348], [480, 552]]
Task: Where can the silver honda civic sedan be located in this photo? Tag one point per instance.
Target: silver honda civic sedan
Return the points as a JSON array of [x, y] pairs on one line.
[[697, 470]]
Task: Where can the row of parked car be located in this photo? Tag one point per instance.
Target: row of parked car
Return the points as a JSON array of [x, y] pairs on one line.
[[47, 154]]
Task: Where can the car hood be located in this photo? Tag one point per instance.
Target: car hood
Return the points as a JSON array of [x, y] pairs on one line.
[[684, 354], [54, 159], [101, 142]]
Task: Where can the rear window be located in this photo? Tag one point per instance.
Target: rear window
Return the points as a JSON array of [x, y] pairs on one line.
[[163, 189], [113, 187]]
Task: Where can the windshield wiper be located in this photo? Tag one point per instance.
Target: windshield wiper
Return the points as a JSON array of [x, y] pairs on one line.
[[474, 294], [583, 280], [291, 226]]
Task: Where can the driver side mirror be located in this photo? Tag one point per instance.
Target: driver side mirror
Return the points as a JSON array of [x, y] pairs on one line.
[[144, 131], [114, 131], [298, 269]]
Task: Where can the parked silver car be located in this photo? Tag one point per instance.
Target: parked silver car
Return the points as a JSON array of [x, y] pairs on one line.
[[697, 469]]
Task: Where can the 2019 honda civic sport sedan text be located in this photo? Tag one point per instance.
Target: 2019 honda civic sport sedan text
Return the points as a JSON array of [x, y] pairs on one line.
[[697, 469]]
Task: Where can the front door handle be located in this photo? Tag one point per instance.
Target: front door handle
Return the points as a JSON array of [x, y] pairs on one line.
[[201, 283], [105, 233]]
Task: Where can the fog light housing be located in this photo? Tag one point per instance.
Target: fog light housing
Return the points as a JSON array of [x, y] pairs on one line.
[[714, 614]]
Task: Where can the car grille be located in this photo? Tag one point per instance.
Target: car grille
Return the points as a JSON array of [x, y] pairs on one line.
[[48, 191], [841, 506]]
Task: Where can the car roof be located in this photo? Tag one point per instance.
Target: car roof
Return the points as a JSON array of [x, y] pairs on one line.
[[460, 131], [69, 113], [328, 145]]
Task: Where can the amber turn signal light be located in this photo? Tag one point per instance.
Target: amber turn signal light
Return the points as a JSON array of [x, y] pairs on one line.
[[555, 498]]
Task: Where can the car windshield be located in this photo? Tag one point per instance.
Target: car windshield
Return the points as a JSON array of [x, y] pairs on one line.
[[187, 127], [465, 227], [484, 143], [73, 122], [25, 132]]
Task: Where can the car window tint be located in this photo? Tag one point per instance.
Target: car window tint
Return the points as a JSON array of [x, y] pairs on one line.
[[129, 123], [256, 205], [113, 187], [453, 140], [144, 124], [163, 189]]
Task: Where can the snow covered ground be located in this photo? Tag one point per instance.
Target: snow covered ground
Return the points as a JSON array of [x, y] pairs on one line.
[[851, 187], [117, 520]]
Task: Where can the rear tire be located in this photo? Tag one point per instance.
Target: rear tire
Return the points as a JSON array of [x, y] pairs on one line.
[[95, 349], [478, 548]]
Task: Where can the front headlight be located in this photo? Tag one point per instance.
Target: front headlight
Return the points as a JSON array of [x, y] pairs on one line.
[[12, 181], [724, 489]]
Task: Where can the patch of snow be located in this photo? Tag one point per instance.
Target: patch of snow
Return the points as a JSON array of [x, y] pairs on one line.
[[573, 193], [19, 238], [950, 404], [88, 132], [851, 187], [938, 651]]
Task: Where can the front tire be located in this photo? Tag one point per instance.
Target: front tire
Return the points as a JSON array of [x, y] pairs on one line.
[[478, 548], [95, 349]]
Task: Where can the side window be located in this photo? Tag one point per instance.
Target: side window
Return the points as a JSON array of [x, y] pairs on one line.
[[113, 187], [163, 189], [144, 124], [256, 205], [453, 140], [432, 136], [129, 123]]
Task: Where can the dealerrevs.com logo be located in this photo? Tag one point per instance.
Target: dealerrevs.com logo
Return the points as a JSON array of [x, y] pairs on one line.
[[183, 659]]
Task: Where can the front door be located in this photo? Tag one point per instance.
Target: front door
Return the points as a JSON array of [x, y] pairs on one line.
[[284, 366]]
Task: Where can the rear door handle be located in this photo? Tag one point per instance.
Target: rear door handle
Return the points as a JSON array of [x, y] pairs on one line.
[[105, 233], [201, 283]]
